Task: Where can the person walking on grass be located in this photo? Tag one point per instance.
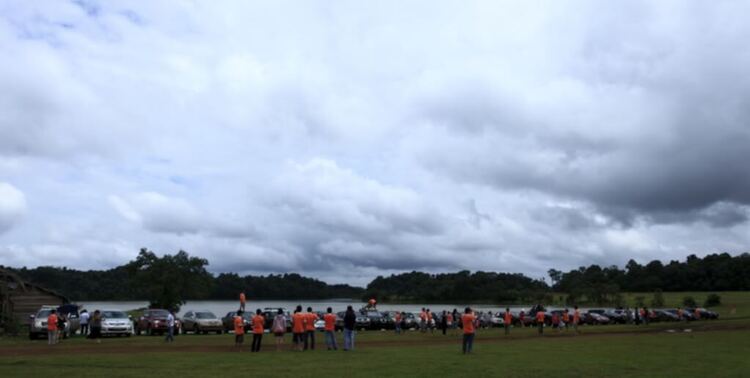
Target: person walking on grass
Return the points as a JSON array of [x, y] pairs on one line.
[[468, 319], [350, 320], [507, 321], [52, 328], [298, 328], [310, 319], [96, 326], [170, 327], [239, 329], [278, 328], [258, 322], [576, 318], [242, 301], [540, 321], [330, 329]]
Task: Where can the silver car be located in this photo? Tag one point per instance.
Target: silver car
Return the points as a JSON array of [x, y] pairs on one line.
[[201, 322], [116, 322], [38, 322]]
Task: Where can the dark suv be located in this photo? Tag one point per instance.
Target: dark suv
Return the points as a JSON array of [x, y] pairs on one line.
[[154, 322]]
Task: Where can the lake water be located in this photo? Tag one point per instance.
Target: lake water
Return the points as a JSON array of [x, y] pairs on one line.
[[220, 308]]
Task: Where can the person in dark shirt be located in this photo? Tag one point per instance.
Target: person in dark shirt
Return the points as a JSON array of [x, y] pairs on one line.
[[350, 320]]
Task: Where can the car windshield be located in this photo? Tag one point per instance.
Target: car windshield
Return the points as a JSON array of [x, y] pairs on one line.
[[159, 313], [114, 315], [43, 314], [205, 315]]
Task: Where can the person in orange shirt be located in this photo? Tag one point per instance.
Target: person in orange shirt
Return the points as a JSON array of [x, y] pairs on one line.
[[540, 321], [467, 320], [330, 328], [576, 318], [507, 321], [397, 322], [430, 323], [298, 328], [258, 322], [52, 328], [242, 301], [239, 329], [310, 318], [566, 318]]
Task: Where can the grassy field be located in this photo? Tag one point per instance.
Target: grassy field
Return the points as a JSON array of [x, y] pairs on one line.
[[698, 349]]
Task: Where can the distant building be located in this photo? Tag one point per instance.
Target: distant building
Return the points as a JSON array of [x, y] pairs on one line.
[[20, 299]]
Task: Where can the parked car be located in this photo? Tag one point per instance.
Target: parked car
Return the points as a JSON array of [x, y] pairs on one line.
[[38, 321], [376, 319], [228, 321], [360, 322], [154, 322], [115, 322], [665, 316], [201, 322], [705, 314], [593, 318]]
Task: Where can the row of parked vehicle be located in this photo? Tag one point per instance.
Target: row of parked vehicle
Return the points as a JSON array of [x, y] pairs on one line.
[[154, 321]]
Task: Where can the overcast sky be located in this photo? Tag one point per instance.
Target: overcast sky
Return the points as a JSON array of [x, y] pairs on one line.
[[345, 140]]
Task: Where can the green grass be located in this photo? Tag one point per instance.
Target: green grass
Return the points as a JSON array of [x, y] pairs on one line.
[[712, 349]]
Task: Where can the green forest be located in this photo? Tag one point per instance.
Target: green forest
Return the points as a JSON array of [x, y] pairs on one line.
[[169, 280]]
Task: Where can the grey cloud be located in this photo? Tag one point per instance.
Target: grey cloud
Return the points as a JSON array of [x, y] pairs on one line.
[[12, 206]]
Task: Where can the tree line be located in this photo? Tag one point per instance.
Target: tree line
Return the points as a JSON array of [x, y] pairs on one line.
[[168, 280]]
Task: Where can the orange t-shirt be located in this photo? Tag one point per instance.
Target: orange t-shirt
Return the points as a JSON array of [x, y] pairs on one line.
[[576, 317], [330, 320], [423, 315], [311, 319], [449, 317], [258, 321], [468, 323], [239, 325], [508, 318], [298, 322], [52, 322], [566, 317], [540, 316]]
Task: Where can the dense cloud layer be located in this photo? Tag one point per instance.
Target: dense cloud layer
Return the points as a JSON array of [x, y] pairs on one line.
[[346, 140]]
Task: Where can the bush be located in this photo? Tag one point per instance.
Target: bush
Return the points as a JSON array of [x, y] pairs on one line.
[[640, 301], [712, 300], [658, 300], [689, 301]]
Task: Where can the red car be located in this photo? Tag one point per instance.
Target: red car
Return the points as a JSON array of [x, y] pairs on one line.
[[154, 322]]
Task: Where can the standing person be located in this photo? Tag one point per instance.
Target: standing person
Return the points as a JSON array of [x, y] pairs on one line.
[[85, 322], [258, 321], [239, 329], [522, 318], [444, 322], [468, 319], [350, 320], [455, 318], [449, 316], [680, 314], [644, 315], [397, 322], [540, 321], [61, 320], [52, 328], [566, 318], [330, 328], [298, 328], [279, 327], [96, 326], [242, 301], [507, 321], [697, 314], [556, 321], [430, 321], [170, 326], [423, 321], [311, 318], [637, 314], [576, 318]]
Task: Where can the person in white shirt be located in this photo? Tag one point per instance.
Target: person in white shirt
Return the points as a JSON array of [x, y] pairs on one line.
[[84, 322], [170, 326]]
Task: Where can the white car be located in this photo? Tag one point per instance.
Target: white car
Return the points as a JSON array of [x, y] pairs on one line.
[[116, 322]]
